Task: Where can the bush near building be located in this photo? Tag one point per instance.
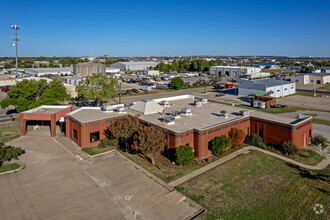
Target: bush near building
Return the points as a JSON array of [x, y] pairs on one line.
[[237, 137], [287, 148], [319, 139], [184, 155], [220, 144], [9, 153], [255, 140]]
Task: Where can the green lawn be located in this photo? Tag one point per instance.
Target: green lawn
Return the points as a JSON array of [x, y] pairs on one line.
[[164, 169], [97, 150], [321, 121], [8, 167], [258, 186], [308, 157], [325, 87], [10, 130]]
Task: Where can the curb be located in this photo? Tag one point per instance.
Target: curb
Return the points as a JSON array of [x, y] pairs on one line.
[[21, 166]]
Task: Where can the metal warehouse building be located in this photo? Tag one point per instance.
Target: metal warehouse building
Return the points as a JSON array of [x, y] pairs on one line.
[[238, 71], [87, 69], [183, 119], [273, 87], [134, 65]]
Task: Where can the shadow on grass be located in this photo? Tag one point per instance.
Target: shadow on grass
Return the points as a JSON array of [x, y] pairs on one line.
[[317, 175]]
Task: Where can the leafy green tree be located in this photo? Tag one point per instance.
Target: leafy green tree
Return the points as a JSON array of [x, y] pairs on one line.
[[175, 66], [184, 155], [162, 67], [177, 83], [8, 153], [98, 87], [150, 141], [123, 130], [219, 144], [29, 94]]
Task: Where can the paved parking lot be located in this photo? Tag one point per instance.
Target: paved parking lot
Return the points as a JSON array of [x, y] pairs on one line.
[[55, 185]]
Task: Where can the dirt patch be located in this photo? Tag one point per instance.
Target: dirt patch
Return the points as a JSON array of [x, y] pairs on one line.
[[257, 190]]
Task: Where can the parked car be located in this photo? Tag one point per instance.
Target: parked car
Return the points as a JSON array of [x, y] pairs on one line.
[[218, 86], [5, 89], [135, 91]]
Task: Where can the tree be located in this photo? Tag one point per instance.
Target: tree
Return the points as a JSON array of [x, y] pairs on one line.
[[98, 87], [175, 66], [29, 94], [177, 83], [162, 67], [237, 137], [123, 130], [219, 144], [150, 141], [184, 155]]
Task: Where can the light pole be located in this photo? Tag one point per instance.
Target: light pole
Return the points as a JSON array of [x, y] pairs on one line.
[[16, 38]]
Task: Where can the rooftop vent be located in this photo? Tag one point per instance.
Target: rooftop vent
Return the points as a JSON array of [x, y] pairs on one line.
[[176, 114], [198, 103], [107, 108], [224, 113], [244, 113], [169, 119], [204, 101], [128, 104], [165, 103], [120, 109], [186, 111]]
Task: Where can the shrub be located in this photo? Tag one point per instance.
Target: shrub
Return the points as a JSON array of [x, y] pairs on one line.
[[219, 144], [237, 137], [319, 139], [184, 155], [255, 140], [104, 142], [113, 142], [8, 153], [287, 148]]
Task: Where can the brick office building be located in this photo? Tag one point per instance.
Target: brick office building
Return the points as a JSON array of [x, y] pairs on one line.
[[187, 122]]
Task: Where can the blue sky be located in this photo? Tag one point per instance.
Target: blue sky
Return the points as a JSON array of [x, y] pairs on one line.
[[166, 28]]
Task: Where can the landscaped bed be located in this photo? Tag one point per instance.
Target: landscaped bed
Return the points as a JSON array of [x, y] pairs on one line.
[[9, 167], [97, 150], [258, 186]]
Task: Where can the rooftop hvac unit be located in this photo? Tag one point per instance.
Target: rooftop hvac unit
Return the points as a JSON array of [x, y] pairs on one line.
[[128, 104], [186, 111], [120, 109], [244, 113], [176, 114], [224, 113], [204, 101], [165, 103], [107, 108], [169, 119], [198, 103]]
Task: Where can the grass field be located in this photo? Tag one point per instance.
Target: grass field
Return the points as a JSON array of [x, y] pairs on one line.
[[258, 186], [10, 130], [325, 87], [8, 167], [97, 150], [321, 121], [308, 157]]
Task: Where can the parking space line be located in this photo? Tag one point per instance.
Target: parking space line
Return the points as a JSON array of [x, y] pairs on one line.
[[22, 212], [19, 199], [136, 187], [152, 197]]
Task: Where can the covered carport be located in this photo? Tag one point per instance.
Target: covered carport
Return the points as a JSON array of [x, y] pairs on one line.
[[44, 115]]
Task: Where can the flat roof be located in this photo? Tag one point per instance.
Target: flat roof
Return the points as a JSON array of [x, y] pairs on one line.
[[202, 118], [51, 70], [270, 82], [235, 67], [47, 109], [139, 63]]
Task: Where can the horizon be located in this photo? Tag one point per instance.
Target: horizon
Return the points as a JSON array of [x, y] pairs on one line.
[[294, 29]]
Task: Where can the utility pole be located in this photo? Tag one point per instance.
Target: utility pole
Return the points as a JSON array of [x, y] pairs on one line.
[[16, 38]]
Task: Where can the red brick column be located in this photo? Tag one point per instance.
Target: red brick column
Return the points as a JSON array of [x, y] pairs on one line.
[[23, 125], [53, 126], [68, 129]]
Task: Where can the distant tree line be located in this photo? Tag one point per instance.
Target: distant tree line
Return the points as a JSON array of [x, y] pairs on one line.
[[187, 65]]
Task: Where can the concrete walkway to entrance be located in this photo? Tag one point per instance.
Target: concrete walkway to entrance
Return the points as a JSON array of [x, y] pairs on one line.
[[323, 164]]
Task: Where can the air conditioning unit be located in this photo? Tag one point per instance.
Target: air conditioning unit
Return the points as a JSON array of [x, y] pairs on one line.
[[169, 119], [204, 101], [244, 113], [107, 108], [120, 109], [165, 103], [224, 113], [186, 111], [198, 103], [176, 114]]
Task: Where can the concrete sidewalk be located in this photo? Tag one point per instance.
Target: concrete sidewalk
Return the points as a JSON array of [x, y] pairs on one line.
[[324, 163]]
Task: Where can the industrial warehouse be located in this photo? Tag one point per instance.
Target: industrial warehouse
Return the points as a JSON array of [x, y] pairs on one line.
[[184, 119]]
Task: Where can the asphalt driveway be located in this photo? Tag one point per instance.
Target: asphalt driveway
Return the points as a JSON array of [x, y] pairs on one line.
[[55, 185]]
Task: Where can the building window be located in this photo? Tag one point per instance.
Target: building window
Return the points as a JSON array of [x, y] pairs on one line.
[[247, 131], [310, 133], [278, 90], [75, 134], [95, 136]]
